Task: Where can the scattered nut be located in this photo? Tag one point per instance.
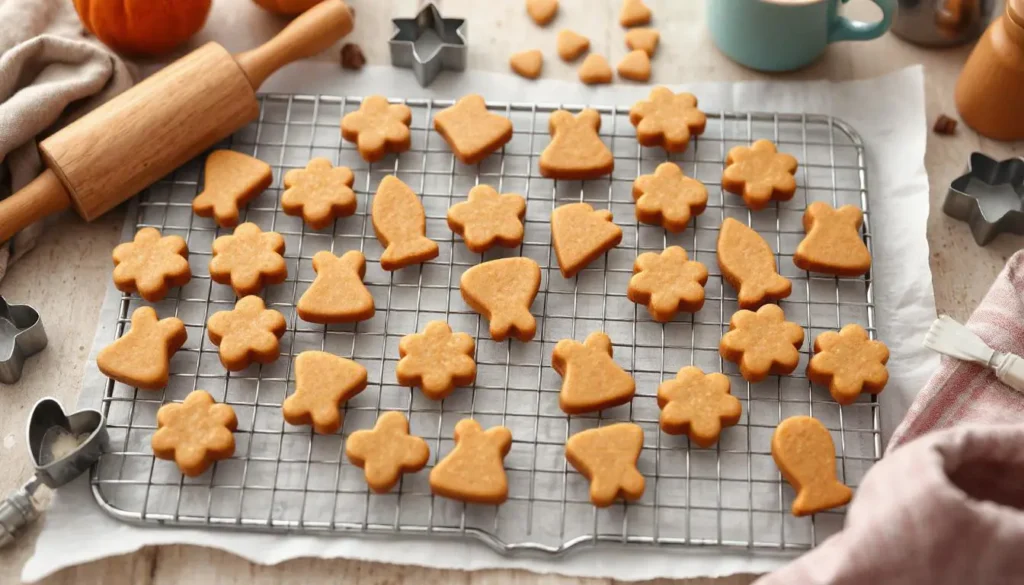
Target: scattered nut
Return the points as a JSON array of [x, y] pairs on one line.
[[944, 125], [352, 57]]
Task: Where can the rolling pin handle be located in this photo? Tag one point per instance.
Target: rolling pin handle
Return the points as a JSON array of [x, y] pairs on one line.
[[310, 33], [44, 196]]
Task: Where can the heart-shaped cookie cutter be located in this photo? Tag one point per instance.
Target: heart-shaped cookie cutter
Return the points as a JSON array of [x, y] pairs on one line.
[[21, 336], [966, 195], [62, 447]]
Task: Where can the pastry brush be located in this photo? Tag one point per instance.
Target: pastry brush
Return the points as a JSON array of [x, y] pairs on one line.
[[948, 337]]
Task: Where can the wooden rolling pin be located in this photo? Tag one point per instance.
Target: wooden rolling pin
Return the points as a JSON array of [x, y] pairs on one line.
[[130, 142]]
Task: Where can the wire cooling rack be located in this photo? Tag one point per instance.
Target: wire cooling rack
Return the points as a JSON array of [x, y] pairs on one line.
[[287, 479]]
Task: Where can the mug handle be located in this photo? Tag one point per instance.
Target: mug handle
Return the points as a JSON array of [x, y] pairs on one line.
[[844, 29]]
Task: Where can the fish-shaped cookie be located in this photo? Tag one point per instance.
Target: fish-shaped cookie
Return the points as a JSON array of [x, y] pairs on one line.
[[803, 449], [748, 264], [401, 225]]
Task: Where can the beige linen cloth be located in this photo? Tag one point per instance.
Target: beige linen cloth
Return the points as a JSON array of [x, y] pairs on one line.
[[51, 72]]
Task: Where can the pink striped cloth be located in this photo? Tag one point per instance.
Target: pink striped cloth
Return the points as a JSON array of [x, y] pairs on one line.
[[946, 503]]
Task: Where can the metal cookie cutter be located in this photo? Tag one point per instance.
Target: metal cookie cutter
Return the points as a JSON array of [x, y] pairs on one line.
[[448, 52], [21, 336], [62, 447], [988, 197]]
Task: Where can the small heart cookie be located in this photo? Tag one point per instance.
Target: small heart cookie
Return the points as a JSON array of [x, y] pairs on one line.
[[151, 264], [607, 457], [502, 291], [591, 380], [474, 471], [487, 218], [232, 179], [697, 405], [323, 383], [762, 343], [848, 362], [635, 66], [595, 70], [248, 333], [634, 13], [337, 294], [668, 197], [644, 39], [248, 259], [804, 452], [319, 194], [142, 356], [471, 131], [194, 433], [527, 64], [576, 151], [760, 174], [571, 45], [378, 128], [436, 360], [542, 11], [667, 283], [386, 452], [833, 244], [580, 235]]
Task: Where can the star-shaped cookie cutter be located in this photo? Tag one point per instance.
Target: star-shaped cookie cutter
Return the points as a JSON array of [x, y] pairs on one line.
[[21, 336], [450, 52], [964, 201]]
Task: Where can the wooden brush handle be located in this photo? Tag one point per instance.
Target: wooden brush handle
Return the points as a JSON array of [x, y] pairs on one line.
[[312, 32], [43, 196]]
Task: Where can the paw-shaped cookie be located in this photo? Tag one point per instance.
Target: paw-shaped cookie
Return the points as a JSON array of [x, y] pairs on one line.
[[580, 235], [474, 471], [748, 264], [401, 225], [471, 131], [804, 452], [607, 457], [232, 179], [595, 70], [833, 244], [762, 343], [319, 193], [487, 218], [667, 119], [848, 362], [248, 259], [760, 174], [502, 291], [697, 405], [378, 128], [248, 333], [591, 380], [337, 294], [634, 13], [436, 360], [151, 264], [668, 197], [323, 382], [142, 356], [386, 452], [576, 151], [195, 433], [667, 283]]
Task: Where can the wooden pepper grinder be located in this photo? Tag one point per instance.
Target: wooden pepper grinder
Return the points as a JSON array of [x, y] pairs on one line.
[[990, 91]]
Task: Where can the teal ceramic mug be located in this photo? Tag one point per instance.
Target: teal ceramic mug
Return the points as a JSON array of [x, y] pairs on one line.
[[781, 35]]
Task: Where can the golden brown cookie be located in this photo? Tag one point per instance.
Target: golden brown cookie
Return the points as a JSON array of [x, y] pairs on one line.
[[323, 383], [401, 225], [142, 356], [762, 343], [634, 13], [607, 457], [194, 433], [474, 471], [644, 39], [487, 218], [595, 70], [591, 380], [748, 264], [232, 179], [635, 66], [667, 283], [580, 235], [848, 362], [668, 197], [248, 333], [386, 452], [151, 264], [697, 405], [319, 194], [248, 259], [833, 244], [667, 119], [542, 11], [527, 64], [803, 449], [337, 294], [571, 45], [760, 174], [378, 128], [471, 131], [436, 360], [576, 151], [502, 291]]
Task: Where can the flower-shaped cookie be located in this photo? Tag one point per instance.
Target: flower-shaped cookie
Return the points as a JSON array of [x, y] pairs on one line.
[[607, 457], [697, 405], [762, 343], [760, 174], [668, 197], [319, 193], [151, 264], [142, 357], [386, 452], [436, 360], [474, 471], [248, 333], [323, 382], [195, 433], [667, 283], [667, 119], [487, 218], [248, 259], [848, 362], [378, 128], [471, 131]]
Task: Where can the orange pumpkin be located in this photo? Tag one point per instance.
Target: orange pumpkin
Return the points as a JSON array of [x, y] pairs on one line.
[[148, 27], [288, 7]]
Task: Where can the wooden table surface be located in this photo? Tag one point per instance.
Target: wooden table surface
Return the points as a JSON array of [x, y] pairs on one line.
[[66, 276]]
